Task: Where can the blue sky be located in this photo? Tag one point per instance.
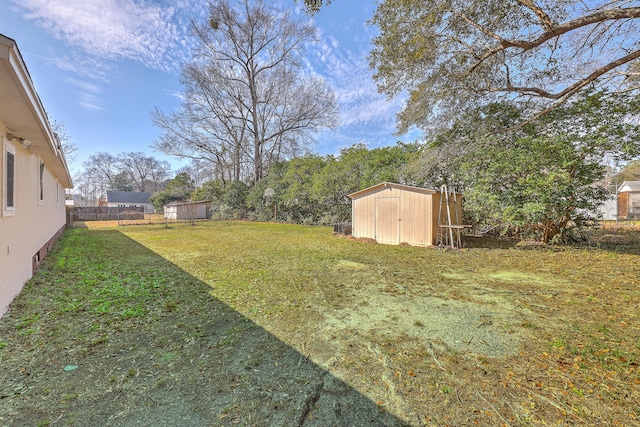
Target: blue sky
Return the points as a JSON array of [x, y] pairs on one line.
[[101, 66]]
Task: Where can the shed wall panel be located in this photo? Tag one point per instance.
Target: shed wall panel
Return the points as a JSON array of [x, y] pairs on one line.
[[415, 218], [634, 205], [376, 211], [387, 219]]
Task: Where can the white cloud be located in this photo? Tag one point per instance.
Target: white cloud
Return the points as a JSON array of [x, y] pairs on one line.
[[366, 116], [356, 91], [88, 94], [114, 30]]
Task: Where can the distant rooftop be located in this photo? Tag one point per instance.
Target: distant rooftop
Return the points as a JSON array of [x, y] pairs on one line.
[[128, 197]]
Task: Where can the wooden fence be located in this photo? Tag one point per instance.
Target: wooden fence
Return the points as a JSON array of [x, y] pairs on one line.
[[104, 214]]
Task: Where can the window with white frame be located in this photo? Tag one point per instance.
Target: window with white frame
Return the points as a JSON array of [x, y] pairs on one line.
[[8, 179]]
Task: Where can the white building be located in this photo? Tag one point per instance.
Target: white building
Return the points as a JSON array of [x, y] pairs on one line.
[[129, 199], [34, 177]]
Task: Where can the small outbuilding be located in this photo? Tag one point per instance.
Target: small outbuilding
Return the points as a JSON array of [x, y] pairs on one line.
[[629, 200], [187, 211], [394, 213]]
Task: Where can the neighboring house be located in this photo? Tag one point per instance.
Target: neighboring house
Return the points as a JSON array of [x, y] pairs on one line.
[[187, 210], [629, 200], [394, 213], [34, 177], [129, 199]]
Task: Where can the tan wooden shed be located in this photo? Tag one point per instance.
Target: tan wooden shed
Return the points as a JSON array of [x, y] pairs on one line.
[[394, 213]]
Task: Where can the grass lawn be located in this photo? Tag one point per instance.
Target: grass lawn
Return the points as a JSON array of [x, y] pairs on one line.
[[237, 323]]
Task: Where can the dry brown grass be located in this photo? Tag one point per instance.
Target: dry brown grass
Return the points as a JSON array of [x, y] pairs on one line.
[[496, 334]]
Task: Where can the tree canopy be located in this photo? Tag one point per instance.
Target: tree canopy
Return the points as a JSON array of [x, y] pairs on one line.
[[314, 6], [543, 179], [455, 55], [134, 171], [247, 101]]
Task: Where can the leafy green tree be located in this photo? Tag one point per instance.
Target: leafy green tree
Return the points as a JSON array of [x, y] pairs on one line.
[[541, 181], [535, 186], [182, 184], [299, 203], [121, 182], [356, 168], [265, 197], [630, 172], [453, 56], [232, 202], [178, 189], [314, 6], [210, 190]]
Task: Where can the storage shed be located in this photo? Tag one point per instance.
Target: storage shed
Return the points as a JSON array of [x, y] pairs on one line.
[[395, 213], [629, 200], [187, 211]]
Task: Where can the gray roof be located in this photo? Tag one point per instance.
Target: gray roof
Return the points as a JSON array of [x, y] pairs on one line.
[[197, 202], [128, 197]]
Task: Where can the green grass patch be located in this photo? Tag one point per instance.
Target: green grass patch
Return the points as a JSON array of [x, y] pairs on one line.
[[184, 297]]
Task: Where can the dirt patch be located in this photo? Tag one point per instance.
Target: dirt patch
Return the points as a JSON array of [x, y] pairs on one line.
[[484, 327]]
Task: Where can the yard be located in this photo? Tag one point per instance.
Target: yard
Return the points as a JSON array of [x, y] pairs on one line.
[[237, 323]]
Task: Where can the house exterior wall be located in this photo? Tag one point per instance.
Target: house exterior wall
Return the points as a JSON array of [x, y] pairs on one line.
[[634, 205], [30, 225], [27, 230], [148, 207], [623, 203], [628, 205]]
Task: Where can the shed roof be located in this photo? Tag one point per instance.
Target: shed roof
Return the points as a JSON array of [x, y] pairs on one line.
[[198, 202], [629, 187], [128, 197], [385, 184], [22, 112]]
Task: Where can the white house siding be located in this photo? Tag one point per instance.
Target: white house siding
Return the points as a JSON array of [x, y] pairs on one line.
[[148, 207], [32, 224], [29, 228], [608, 211]]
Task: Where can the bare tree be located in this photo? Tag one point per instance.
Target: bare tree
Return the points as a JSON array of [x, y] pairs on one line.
[[160, 172], [200, 171], [143, 170], [69, 148], [99, 172], [247, 103]]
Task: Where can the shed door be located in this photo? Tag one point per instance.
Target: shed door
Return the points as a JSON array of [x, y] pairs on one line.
[[388, 220], [623, 205]]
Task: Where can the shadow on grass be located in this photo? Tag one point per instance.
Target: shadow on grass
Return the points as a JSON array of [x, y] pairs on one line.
[[110, 333], [489, 242], [619, 242]]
